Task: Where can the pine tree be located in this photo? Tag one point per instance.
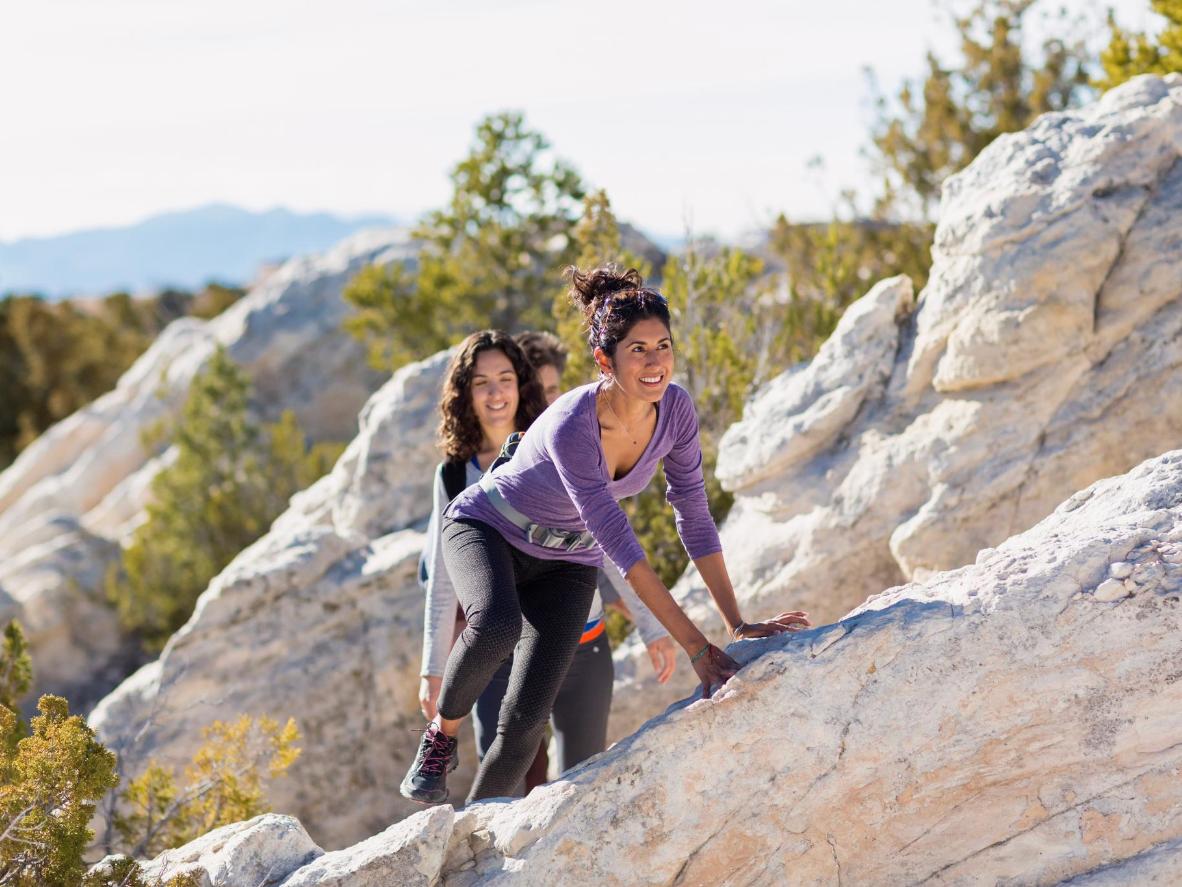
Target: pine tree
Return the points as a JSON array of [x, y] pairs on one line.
[[230, 480], [16, 668], [223, 784], [16, 676], [1129, 54], [490, 258], [48, 788], [51, 775], [53, 772], [60, 355], [390, 315]]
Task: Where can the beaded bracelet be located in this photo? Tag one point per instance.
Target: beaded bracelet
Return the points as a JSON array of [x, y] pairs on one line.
[[699, 654]]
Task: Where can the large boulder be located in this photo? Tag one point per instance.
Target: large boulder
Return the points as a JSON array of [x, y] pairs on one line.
[[258, 853], [272, 850], [1042, 355], [76, 492], [1015, 721], [320, 620]]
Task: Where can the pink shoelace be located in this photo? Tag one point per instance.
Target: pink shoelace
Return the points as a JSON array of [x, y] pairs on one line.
[[438, 751]]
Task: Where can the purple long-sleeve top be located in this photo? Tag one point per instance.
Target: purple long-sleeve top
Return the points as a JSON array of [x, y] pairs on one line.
[[558, 478]]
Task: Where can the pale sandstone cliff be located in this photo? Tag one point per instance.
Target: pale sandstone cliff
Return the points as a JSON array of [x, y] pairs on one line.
[[75, 493]]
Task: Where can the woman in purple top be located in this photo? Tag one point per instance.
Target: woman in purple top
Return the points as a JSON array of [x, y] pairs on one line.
[[523, 545]]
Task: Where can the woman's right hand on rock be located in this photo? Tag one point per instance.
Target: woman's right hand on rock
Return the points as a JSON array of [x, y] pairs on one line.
[[714, 668], [429, 686]]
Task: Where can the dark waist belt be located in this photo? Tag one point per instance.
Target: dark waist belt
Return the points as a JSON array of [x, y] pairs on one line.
[[546, 537]]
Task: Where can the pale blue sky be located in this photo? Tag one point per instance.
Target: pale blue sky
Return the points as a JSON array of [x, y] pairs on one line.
[[691, 111]]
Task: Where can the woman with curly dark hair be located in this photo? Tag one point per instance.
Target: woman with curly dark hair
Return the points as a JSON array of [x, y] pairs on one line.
[[490, 390], [523, 544], [490, 386]]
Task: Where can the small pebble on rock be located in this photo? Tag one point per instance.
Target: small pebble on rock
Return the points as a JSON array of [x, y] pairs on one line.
[[1110, 590], [1120, 570]]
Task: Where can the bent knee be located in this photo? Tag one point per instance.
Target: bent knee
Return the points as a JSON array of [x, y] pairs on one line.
[[495, 630]]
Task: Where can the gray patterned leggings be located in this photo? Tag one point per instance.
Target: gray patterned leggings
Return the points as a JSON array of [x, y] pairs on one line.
[[511, 600]]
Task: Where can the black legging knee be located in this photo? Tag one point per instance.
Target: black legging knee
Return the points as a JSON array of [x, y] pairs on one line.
[[510, 598]]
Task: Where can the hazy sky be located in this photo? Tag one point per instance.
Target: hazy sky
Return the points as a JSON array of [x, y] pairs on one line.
[[691, 111]]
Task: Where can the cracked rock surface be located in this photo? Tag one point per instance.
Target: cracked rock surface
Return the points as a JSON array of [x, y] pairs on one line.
[[997, 724], [73, 495], [1044, 353]]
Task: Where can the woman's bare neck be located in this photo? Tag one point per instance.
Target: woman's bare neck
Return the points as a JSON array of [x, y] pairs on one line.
[[630, 411], [490, 446]]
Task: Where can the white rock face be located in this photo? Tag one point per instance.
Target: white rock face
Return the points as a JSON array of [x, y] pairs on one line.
[[320, 620], [408, 853], [51, 587], [1043, 354], [273, 850], [998, 724], [87, 477], [258, 853]]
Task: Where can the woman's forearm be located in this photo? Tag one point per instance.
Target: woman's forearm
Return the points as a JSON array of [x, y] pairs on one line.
[[654, 595], [712, 569]]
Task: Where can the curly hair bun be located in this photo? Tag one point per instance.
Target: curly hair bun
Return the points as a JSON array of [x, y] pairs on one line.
[[589, 290]]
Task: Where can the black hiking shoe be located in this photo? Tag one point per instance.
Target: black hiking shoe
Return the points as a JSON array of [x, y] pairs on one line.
[[426, 781]]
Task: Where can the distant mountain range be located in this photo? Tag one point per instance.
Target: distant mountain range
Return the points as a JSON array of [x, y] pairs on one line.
[[183, 249]]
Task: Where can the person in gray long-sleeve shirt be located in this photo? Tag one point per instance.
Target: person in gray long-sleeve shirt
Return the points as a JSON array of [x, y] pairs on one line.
[[522, 546]]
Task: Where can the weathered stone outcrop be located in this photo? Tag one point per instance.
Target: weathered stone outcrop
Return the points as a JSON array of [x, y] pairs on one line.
[[1042, 355], [320, 620], [78, 490], [1018, 720], [257, 853]]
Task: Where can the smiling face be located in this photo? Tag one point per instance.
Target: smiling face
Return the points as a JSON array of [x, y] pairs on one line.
[[643, 362], [494, 393]]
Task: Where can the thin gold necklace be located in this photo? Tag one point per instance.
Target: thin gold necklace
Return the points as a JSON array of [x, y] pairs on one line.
[[627, 427]]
